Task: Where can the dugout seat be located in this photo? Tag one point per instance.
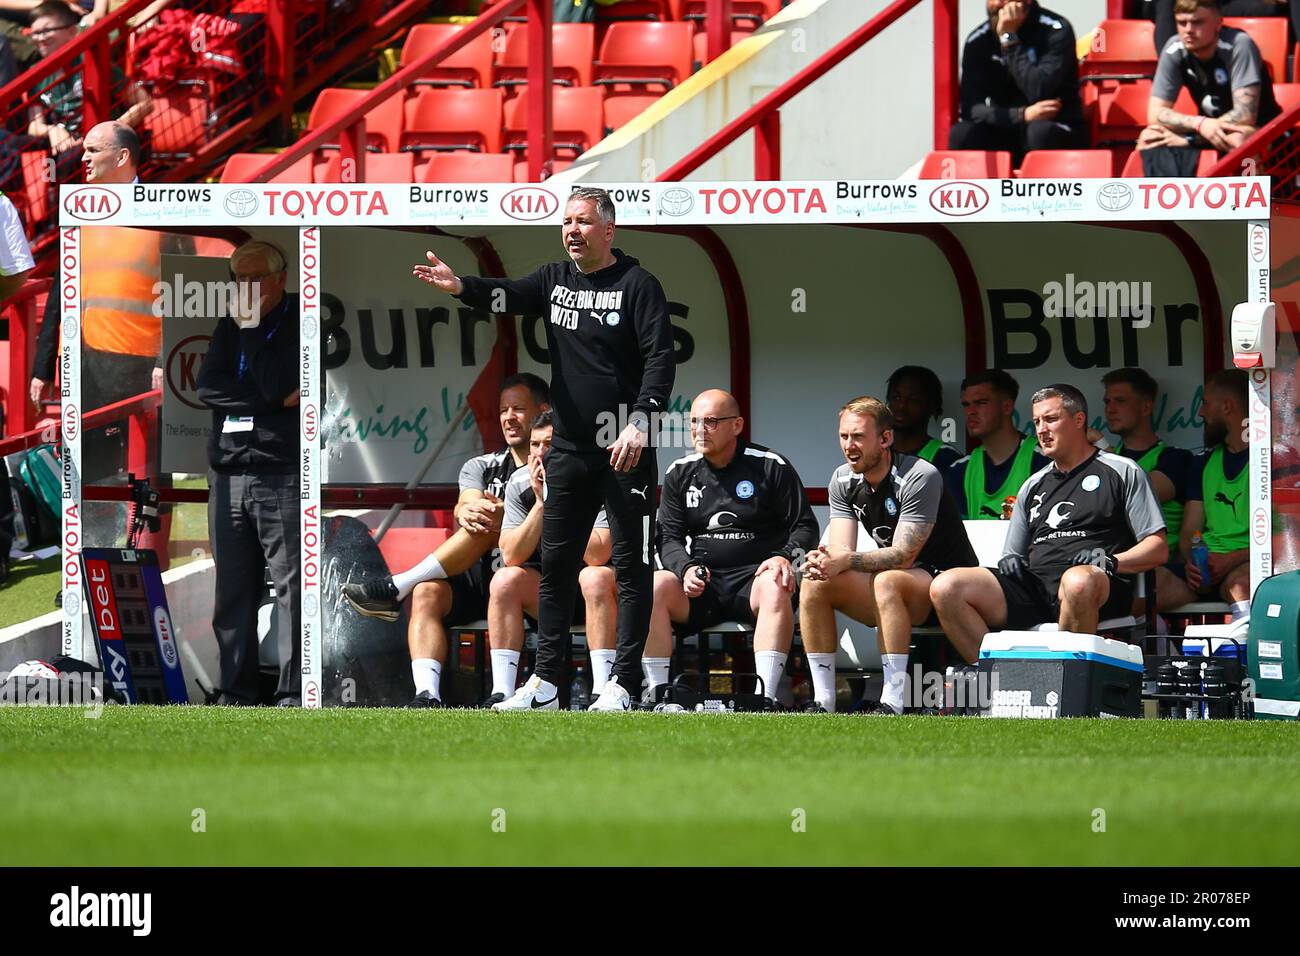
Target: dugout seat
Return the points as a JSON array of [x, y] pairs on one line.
[[380, 168], [446, 120], [746, 15], [468, 67], [1287, 95], [1121, 50], [966, 164], [573, 48], [245, 167], [1133, 165]]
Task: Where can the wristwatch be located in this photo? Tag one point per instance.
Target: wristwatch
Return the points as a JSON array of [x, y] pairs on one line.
[[1009, 38]]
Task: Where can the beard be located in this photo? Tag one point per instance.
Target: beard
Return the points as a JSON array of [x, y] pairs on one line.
[[1216, 430]]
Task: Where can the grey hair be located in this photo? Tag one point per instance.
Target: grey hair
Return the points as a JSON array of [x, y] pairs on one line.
[[263, 248], [604, 205], [1072, 399]]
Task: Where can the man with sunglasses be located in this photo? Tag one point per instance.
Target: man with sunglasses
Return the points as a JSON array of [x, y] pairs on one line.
[[249, 379], [734, 520]]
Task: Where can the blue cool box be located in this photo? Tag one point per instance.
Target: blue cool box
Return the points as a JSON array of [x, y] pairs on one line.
[[1034, 674]]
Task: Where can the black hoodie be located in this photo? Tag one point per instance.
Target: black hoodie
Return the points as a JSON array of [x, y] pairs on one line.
[[609, 336]]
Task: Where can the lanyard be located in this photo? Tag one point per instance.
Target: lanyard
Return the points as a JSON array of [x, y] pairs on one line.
[[243, 358]]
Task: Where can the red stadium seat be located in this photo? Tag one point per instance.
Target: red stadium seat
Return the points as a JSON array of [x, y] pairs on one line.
[[380, 168], [468, 168], [745, 14], [178, 122], [470, 66], [620, 109], [244, 167], [576, 119], [966, 164], [636, 55], [1121, 117], [700, 44], [1287, 95], [445, 120], [1270, 35], [573, 47], [383, 122], [1071, 163], [636, 10], [1121, 49]]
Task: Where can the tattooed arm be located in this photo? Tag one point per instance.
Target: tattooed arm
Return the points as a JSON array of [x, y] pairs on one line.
[[909, 539], [1245, 106]]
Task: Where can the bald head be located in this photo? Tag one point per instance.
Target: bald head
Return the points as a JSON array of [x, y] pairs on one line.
[[716, 425], [721, 402], [112, 153]]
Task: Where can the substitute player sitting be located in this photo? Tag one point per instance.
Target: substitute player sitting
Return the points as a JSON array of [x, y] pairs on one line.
[[745, 512], [515, 586], [1080, 530], [450, 586], [902, 503]]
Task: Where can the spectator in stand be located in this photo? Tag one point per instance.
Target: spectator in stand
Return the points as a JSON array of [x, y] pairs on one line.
[[56, 121], [1162, 12], [1020, 83], [15, 263], [14, 17], [8, 66], [1225, 75]]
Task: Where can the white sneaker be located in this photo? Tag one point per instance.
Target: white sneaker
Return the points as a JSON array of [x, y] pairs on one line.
[[533, 694], [613, 698]]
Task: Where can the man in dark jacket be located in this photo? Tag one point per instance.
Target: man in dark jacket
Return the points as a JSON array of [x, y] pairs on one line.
[[1020, 83], [249, 380], [611, 346]]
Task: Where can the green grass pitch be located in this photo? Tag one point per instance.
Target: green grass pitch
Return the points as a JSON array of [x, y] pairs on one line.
[[341, 787]]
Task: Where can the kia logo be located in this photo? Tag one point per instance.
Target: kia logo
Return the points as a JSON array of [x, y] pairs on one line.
[[959, 198], [183, 364], [529, 203], [310, 693], [71, 421], [1259, 526], [92, 203], [309, 422], [1258, 242]]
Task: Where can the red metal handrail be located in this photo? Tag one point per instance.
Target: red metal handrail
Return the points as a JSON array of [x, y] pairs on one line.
[[1270, 152], [20, 308], [349, 128], [767, 143]]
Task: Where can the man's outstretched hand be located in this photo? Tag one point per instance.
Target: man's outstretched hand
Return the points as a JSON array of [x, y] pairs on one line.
[[438, 274]]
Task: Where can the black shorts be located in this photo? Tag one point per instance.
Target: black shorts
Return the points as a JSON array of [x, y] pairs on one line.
[[726, 598], [1030, 604], [469, 597]]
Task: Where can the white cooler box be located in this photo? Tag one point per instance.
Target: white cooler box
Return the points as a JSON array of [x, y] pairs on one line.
[[1041, 674]]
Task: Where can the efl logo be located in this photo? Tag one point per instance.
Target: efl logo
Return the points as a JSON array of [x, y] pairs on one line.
[[71, 421], [1259, 527], [309, 422], [1258, 243], [183, 364], [162, 625], [92, 204], [529, 203], [959, 198]]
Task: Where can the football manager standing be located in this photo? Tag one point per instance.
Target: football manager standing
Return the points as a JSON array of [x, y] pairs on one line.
[[612, 366]]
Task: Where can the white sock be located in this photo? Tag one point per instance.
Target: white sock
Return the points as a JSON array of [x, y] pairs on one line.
[[430, 569], [427, 674], [1240, 609], [895, 680], [823, 677], [769, 665], [655, 670], [505, 671], [602, 664]]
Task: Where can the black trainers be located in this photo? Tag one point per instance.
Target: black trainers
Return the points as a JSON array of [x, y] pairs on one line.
[[289, 701], [812, 707], [377, 598], [881, 709], [424, 700], [494, 699]]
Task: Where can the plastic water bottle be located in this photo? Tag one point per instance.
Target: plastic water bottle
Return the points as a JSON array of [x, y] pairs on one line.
[[578, 696], [1216, 688], [1201, 558], [1166, 683], [1189, 682]]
